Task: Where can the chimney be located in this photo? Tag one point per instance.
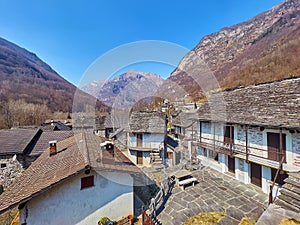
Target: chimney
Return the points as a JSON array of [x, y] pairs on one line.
[[108, 146], [52, 149]]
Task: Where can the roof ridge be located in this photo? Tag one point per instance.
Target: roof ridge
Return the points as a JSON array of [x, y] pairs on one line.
[[259, 84], [38, 132], [86, 149]]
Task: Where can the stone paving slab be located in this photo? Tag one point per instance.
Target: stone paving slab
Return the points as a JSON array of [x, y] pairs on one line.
[[214, 192]]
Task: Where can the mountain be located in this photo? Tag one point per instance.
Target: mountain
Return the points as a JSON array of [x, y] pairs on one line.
[[125, 90], [24, 76], [262, 49]]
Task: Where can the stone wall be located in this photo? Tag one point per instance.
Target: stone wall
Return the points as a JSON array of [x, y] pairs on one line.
[[255, 136], [296, 143], [296, 148], [9, 170], [206, 127]]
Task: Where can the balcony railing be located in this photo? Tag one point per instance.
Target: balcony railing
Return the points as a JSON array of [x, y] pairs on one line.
[[244, 151]]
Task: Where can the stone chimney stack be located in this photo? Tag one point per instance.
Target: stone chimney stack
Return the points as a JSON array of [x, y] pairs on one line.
[[52, 147]]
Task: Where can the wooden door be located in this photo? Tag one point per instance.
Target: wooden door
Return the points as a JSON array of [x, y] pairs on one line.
[[170, 155], [229, 134], [256, 174], [273, 140], [139, 158], [139, 139], [231, 164]]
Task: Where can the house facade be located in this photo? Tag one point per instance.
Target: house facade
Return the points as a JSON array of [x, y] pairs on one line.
[[146, 138], [78, 202], [76, 181], [259, 137]]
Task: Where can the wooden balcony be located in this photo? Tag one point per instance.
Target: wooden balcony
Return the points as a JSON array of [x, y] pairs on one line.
[[246, 152]]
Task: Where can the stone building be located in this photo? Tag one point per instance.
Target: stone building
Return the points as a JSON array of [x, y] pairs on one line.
[[20, 147], [252, 132], [74, 182], [146, 138]]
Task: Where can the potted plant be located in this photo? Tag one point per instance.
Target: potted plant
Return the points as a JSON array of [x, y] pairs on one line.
[[105, 221]]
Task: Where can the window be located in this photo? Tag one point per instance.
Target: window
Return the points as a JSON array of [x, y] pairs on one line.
[[274, 153], [139, 138], [229, 134], [202, 151], [3, 165], [87, 182], [212, 155]]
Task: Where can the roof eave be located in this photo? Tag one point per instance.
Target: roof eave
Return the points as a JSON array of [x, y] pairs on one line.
[[41, 191]]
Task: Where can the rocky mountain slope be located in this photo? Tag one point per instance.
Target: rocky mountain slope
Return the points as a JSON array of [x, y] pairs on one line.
[[262, 49], [24, 76], [125, 90]]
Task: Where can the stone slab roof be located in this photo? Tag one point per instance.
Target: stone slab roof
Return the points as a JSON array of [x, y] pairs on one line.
[[54, 125], [43, 141], [74, 155], [272, 104], [16, 141], [184, 119], [148, 122], [117, 119]]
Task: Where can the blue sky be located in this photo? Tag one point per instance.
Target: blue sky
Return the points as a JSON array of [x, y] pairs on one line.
[[70, 35]]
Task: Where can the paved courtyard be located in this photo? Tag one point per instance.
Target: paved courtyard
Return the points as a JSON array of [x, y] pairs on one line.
[[214, 192]]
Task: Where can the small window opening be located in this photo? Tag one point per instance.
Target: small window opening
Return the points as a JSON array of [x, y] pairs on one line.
[[3, 165], [87, 182]]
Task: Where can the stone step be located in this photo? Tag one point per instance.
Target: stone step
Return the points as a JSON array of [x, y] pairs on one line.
[[157, 166], [154, 154], [294, 176], [155, 150], [157, 161], [286, 205], [292, 188], [290, 200], [291, 194], [292, 181]]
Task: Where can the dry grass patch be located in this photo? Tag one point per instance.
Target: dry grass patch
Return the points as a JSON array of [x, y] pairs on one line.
[[207, 218], [246, 221], [286, 221], [7, 217], [158, 176]]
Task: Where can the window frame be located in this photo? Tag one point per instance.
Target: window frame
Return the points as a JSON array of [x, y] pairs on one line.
[[87, 182]]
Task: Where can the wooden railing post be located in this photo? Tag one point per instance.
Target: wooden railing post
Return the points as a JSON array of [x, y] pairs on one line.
[[230, 140], [200, 131], [163, 191], [143, 215], [214, 137], [274, 181], [271, 195], [247, 153], [280, 148]]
